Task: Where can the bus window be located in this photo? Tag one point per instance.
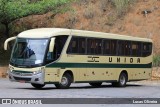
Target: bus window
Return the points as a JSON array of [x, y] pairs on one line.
[[82, 45], [146, 49], [109, 47], [136, 49], [106, 47], [98, 46], [113, 47], [77, 46], [121, 47], [127, 48], [73, 47], [59, 44], [94, 46]]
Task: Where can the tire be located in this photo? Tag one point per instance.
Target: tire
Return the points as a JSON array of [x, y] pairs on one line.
[[122, 81], [38, 86], [66, 81], [98, 84]]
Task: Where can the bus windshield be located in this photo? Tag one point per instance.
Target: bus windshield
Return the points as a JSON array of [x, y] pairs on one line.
[[29, 52]]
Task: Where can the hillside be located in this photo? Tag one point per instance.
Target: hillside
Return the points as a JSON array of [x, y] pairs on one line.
[[101, 15]]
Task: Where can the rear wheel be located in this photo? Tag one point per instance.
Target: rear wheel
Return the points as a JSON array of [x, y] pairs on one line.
[[98, 84], [38, 86], [65, 82], [122, 80]]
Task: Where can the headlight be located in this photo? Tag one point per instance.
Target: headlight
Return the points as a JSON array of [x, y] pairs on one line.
[[10, 69], [37, 72]]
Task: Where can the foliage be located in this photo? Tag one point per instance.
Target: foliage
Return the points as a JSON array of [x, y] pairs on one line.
[[156, 60], [121, 5], [11, 10], [14, 9], [89, 13]]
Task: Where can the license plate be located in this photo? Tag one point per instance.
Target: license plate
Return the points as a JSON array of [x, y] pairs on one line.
[[21, 81]]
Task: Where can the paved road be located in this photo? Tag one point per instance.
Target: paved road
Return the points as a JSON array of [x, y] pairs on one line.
[[133, 89], [142, 89]]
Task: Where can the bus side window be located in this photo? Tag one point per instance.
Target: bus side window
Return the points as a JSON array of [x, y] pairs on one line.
[[146, 49], [127, 48], [90, 46], [81, 45], [98, 46], [94, 46], [73, 46], [106, 47], [113, 47], [121, 48], [109, 47], [77, 46], [136, 49]]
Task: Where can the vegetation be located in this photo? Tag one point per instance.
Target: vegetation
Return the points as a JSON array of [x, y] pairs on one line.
[[11, 10], [122, 5], [156, 61]]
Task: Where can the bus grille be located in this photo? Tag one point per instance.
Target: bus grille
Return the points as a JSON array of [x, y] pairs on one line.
[[22, 79], [22, 74]]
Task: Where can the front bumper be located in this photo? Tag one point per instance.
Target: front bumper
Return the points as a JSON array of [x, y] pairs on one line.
[[27, 78]]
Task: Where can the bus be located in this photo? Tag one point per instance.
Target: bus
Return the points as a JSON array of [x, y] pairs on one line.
[[63, 56]]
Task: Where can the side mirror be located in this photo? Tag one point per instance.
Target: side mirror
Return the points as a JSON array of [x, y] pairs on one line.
[[6, 42], [51, 46]]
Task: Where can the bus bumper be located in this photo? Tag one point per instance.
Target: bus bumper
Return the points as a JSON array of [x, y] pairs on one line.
[[26, 77]]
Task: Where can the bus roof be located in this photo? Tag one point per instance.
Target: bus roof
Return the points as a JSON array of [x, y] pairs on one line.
[[51, 32]]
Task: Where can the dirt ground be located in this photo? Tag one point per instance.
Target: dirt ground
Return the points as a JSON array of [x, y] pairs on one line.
[[3, 72], [155, 73]]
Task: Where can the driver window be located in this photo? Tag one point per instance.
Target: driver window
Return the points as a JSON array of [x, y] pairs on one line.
[[59, 44]]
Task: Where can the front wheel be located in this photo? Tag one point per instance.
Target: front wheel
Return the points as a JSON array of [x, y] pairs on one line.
[[65, 81], [122, 81], [38, 86], [98, 84]]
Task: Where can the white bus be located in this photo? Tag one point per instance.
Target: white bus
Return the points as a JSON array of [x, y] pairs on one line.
[[64, 56]]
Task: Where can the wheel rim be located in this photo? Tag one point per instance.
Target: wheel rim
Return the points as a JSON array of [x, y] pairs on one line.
[[64, 81], [122, 80]]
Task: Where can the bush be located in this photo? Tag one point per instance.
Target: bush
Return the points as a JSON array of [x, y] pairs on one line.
[[122, 5], [156, 61], [103, 5], [89, 12]]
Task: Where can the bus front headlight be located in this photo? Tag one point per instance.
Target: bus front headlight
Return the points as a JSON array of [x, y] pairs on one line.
[[10, 69], [37, 72]]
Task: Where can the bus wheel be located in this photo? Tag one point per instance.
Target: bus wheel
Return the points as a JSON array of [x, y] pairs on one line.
[[66, 81], [38, 86], [98, 84], [122, 80]]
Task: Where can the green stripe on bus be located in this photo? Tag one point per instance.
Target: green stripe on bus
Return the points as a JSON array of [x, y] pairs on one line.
[[97, 65]]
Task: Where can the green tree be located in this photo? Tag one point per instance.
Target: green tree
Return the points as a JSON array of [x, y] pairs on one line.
[[11, 10]]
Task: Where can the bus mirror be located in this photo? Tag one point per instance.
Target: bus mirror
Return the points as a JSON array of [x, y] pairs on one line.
[[51, 46], [6, 42]]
